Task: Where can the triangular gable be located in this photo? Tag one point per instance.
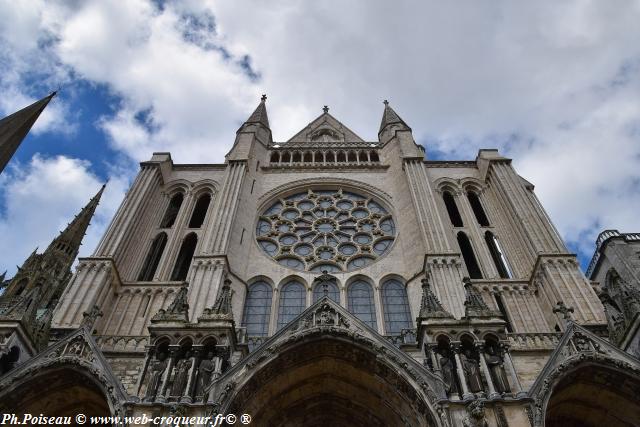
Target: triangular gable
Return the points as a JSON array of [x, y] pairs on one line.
[[578, 345], [325, 122], [76, 349], [326, 317]]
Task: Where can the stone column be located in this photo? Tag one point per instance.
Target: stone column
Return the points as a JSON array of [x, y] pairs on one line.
[[466, 394], [512, 370], [485, 371], [162, 394], [187, 395], [431, 348]]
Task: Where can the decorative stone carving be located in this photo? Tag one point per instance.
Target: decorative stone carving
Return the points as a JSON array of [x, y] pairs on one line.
[[154, 374], [181, 378], [496, 369], [205, 374], [430, 306], [447, 365], [474, 305], [475, 415], [471, 371], [89, 318], [178, 310]]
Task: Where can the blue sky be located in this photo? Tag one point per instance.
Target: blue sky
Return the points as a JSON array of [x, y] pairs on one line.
[[555, 86]]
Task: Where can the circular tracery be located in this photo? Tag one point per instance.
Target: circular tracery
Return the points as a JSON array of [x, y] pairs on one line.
[[331, 230]]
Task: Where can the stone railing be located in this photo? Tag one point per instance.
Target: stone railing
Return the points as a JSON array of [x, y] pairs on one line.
[[533, 340], [122, 343]]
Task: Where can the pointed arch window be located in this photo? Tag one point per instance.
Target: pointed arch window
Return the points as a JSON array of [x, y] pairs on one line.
[[153, 258], [332, 291], [478, 211], [397, 315], [452, 209], [183, 262], [172, 211], [469, 258], [293, 300], [200, 211], [497, 255], [257, 309], [361, 303]]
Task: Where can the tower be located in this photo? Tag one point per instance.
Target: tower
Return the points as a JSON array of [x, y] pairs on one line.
[[14, 128], [26, 306]]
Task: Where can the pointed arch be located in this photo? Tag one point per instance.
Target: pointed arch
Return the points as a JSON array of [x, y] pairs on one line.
[[452, 209], [469, 258], [183, 262], [154, 255], [200, 211], [477, 209], [171, 213], [332, 291], [373, 156]]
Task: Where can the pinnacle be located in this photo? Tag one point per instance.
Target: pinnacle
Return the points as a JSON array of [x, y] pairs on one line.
[[260, 114], [389, 116]]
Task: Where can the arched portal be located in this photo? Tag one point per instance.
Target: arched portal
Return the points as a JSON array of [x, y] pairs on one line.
[[594, 395], [57, 392], [330, 381]]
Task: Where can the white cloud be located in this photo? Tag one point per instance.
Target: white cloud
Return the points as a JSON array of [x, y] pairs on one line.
[[42, 197], [556, 86]]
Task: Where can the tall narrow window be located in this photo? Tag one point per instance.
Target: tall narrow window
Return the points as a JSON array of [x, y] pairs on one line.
[[293, 300], [498, 256], [397, 315], [257, 309], [172, 211], [184, 257], [503, 311], [153, 258], [468, 256], [452, 209], [332, 291], [478, 211], [361, 303], [200, 211]]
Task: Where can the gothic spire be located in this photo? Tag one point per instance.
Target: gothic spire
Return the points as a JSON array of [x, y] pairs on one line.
[[389, 117], [260, 114], [474, 305], [14, 128], [430, 306], [222, 309], [70, 238]]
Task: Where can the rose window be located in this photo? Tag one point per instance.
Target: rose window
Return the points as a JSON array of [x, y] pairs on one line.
[[331, 230]]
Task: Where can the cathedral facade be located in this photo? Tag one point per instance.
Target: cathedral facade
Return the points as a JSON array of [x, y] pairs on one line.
[[326, 280]]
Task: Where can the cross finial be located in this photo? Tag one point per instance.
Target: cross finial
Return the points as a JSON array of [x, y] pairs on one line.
[[263, 98], [325, 109], [385, 102], [564, 310]]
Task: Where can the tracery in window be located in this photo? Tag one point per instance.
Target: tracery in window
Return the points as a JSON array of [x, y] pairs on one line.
[[328, 229]]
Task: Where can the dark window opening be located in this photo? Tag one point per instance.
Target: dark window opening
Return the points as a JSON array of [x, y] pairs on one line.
[[352, 157], [341, 157], [297, 158], [308, 157], [497, 255], [452, 209], [468, 256], [153, 258], [478, 211], [200, 211], [330, 158], [503, 311], [184, 258], [172, 211], [373, 156]]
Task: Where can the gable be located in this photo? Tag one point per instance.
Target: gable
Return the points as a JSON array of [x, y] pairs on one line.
[[325, 128]]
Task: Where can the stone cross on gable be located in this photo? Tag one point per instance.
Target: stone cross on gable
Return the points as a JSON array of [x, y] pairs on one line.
[[564, 310]]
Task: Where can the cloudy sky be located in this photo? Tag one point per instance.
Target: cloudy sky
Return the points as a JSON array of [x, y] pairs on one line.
[[554, 85]]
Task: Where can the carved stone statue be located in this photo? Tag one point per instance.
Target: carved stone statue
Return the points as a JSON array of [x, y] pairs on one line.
[[205, 372], [448, 371], [475, 415], [471, 371], [496, 369], [182, 375], [155, 371]]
